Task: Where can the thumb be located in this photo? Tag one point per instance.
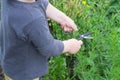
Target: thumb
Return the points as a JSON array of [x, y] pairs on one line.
[[75, 27], [80, 42]]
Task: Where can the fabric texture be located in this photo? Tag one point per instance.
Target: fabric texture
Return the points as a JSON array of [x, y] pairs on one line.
[[28, 41]]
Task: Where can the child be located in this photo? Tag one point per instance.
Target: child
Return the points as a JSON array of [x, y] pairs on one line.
[[28, 41]]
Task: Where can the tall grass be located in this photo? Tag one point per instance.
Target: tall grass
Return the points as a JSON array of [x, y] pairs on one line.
[[98, 59]]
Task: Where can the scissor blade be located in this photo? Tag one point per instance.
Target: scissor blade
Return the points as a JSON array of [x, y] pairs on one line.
[[88, 37], [86, 34]]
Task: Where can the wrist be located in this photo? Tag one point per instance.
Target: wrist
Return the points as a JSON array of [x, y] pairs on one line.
[[61, 18], [66, 46]]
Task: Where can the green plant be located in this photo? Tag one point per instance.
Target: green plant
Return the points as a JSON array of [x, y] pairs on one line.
[[98, 59]]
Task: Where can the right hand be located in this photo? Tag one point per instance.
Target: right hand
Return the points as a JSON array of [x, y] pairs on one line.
[[72, 46]]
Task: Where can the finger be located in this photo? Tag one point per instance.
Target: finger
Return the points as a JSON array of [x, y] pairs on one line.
[[80, 42], [69, 29], [62, 27], [65, 29], [73, 26], [76, 29]]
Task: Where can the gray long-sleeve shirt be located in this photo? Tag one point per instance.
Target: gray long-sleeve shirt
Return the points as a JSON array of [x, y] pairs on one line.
[[28, 43]]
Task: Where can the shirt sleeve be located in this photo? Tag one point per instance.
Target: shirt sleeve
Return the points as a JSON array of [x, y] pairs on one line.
[[45, 3], [39, 35]]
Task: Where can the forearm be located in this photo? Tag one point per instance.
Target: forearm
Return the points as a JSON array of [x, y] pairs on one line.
[[67, 24], [55, 14]]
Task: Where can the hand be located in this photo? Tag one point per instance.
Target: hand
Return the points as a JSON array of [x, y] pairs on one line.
[[68, 24], [72, 46]]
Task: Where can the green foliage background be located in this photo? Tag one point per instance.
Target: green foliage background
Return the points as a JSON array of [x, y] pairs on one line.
[[98, 59]]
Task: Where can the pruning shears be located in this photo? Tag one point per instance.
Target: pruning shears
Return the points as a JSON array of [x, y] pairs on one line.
[[73, 58], [86, 36]]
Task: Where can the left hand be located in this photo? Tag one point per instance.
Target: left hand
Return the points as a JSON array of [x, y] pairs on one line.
[[68, 25]]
